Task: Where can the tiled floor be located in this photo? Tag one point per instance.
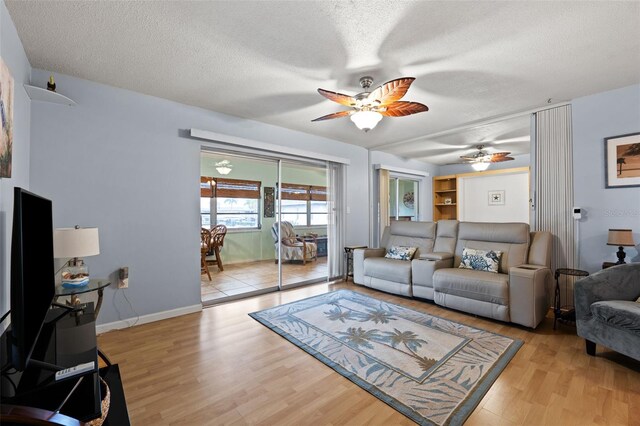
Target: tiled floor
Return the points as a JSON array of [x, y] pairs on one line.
[[251, 276]]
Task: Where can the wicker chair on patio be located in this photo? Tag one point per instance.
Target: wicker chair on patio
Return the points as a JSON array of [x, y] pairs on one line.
[[217, 241], [205, 241], [294, 248]]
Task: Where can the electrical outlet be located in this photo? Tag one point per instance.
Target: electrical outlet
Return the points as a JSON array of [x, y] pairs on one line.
[[123, 281]]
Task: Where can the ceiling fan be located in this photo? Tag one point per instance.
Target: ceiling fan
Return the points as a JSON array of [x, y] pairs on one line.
[[480, 160], [369, 107]]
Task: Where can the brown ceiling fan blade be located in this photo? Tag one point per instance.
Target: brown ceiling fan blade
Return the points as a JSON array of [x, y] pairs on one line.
[[402, 108], [501, 158], [334, 115], [391, 91], [340, 98]]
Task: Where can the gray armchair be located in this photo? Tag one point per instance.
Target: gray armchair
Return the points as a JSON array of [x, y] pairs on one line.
[[606, 309]]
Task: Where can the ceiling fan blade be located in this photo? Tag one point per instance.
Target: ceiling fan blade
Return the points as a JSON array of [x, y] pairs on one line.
[[391, 91], [402, 108], [334, 115], [500, 158], [340, 98]]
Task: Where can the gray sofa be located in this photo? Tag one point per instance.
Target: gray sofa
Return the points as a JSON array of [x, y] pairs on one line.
[[517, 293], [606, 309]]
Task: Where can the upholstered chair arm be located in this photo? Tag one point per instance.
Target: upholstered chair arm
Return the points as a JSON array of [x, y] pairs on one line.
[[620, 282], [359, 255]]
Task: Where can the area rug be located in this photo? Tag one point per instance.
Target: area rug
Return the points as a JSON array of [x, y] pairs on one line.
[[432, 370]]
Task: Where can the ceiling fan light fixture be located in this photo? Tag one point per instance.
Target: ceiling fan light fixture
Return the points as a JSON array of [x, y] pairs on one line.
[[480, 166], [366, 120], [224, 167]]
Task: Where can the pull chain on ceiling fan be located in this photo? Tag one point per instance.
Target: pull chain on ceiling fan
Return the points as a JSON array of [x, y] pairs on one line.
[[369, 107]]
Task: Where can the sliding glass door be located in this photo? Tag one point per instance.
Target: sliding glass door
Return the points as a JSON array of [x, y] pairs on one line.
[[403, 198], [279, 220], [303, 213]]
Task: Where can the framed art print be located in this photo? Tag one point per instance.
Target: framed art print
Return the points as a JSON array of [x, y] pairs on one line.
[[622, 161], [496, 198]]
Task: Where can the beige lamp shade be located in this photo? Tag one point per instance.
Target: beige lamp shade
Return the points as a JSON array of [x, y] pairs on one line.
[[621, 237], [75, 242]]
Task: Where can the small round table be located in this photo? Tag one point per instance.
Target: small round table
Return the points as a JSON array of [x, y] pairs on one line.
[[94, 285], [566, 312]]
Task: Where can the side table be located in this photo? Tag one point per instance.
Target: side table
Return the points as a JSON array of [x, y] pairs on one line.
[[94, 285], [566, 312], [606, 265], [348, 253]]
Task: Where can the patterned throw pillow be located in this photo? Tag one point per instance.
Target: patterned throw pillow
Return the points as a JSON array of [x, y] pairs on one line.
[[480, 260], [400, 253]]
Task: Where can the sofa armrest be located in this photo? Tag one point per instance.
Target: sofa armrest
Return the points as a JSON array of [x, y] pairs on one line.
[[359, 255], [437, 255], [528, 286], [422, 270], [615, 283]]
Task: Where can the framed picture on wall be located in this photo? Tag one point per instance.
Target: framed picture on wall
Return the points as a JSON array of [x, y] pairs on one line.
[[269, 201], [496, 198], [622, 161], [6, 116]]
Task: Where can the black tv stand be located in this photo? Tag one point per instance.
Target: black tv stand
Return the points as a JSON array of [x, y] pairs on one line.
[[66, 340]]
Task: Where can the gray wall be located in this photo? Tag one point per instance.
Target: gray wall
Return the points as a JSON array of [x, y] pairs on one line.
[[14, 57], [116, 161], [596, 117]]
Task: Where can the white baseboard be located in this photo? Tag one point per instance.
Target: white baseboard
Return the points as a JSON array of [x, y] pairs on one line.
[[144, 319]]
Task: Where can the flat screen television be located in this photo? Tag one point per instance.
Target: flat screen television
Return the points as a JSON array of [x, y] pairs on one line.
[[32, 273]]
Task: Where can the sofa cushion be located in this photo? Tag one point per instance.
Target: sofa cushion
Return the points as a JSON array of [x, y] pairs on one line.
[[618, 313], [400, 253], [476, 285], [410, 234], [480, 260], [512, 239], [388, 269]]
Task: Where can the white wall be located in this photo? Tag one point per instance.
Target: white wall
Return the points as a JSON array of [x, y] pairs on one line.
[[14, 57], [118, 161], [473, 198], [596, 117]]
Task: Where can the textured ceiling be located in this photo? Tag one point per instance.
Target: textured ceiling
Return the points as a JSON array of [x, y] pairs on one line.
[[264, 60]]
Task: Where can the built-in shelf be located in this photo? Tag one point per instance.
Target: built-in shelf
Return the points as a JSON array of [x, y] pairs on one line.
[[443, 204], [442, 191], [44, 95]]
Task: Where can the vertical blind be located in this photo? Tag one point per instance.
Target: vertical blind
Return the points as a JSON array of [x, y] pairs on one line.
[[554, 184]]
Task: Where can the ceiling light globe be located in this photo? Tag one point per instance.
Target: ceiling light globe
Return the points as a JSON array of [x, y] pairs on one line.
[[366, 120], [480, 166]]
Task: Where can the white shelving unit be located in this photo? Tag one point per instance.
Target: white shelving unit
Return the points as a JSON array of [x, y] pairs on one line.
[[44, 95]]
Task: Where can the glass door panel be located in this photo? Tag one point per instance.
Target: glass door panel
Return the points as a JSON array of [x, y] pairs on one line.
[[243, 200], [403, 199], [303, 210]]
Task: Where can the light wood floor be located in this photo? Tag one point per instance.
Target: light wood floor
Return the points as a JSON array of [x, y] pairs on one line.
[[222, 367]]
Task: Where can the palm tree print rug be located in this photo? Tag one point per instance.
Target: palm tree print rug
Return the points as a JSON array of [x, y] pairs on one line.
[[432, 370]]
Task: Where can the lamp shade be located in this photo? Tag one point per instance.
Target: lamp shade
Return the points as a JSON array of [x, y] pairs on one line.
[[75, 242], [366, 120], [620, 237], [480, 166]]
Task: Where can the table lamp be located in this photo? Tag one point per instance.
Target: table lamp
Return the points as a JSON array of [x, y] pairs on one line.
[[73, 244], [620, 238]]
